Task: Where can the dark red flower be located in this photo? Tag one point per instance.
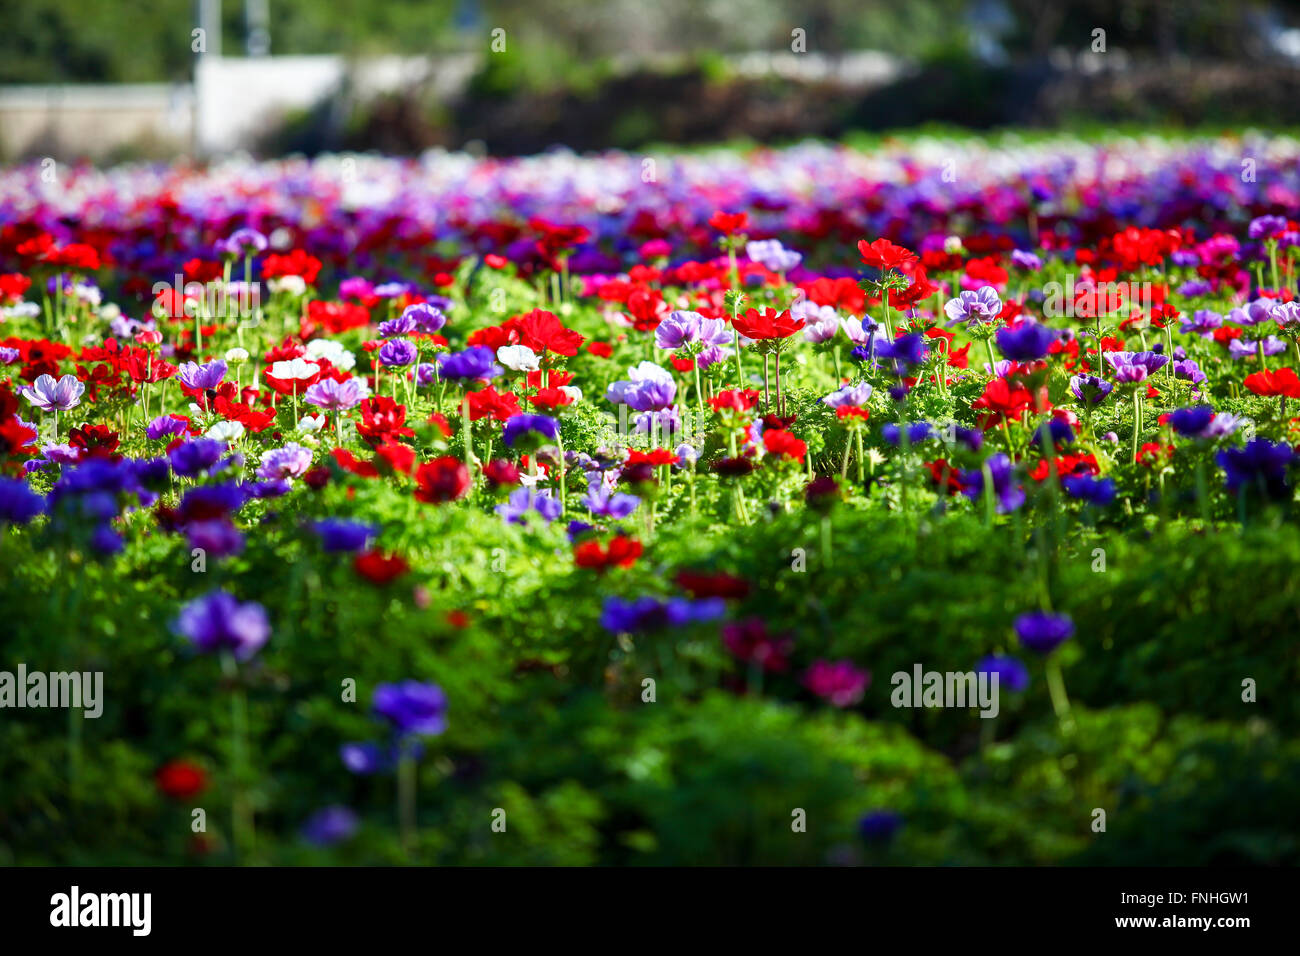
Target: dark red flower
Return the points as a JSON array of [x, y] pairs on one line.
[[180, 779], [706, 584], [501, 472], [442, 480]]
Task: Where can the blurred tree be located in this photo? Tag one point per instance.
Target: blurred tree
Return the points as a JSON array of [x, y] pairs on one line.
[[51, 41]]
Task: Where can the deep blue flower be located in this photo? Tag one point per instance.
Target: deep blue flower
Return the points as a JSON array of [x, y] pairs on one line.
[[218, 622], [1013, 675], [1061, 432], [524, 499], [151, 473], [344, 534], [1095, 491], [652, 614], [329, 826], [905, 351], [1027, 342], [105, 540], [1192, 422], [916, 432], [412, 707], [972, 438], [576, 529], [194, 457], [1260, 464], [216, 538], [363, 758], [880, 826], [517, 426], [1042, 632], [476, 362], [1010, 495], [18, 503]]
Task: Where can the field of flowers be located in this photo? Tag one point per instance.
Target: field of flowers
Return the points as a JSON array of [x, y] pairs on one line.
[[613, 509]]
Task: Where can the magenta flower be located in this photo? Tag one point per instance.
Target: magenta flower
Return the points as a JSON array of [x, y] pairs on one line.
[[838, 682]]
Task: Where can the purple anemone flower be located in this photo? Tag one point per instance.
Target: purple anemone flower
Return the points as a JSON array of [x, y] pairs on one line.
[[856, 395], [18, 503], [335, 396], [398, 353], [652, 614], [1089, 389], [426, 316], [402, 325], [1042, 632], [1132, 367], [976, 308], [291, 461], [608, 503], [1026, 260], [165, 426], [1265, 227], [217, 622], [1011, 672], [329, 826], [1259, 464], [524, 500], [344, 534], [1027, 342], [476, 362], [217, 538], [413, 708], [1202, 322], [201, 377], [648, 388], [1188, 370], [194, 457], [518, 426], [678, 329], [242, 242], [1010, 495], [48, 394]]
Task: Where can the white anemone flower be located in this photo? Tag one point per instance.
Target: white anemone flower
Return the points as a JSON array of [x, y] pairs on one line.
[[520, 358], [225, 431]]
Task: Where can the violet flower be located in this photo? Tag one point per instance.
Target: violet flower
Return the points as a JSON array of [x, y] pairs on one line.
[[201, 377], [217, 622], [49, 395]]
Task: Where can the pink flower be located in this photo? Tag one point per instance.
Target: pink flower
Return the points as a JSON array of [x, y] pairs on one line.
[[837, 681]]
